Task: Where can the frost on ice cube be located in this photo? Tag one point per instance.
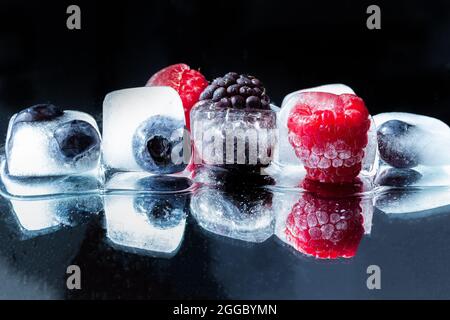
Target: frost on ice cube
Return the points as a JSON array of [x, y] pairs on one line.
[[407, 140], [45, 140], [328, 131], [243, 215], [144, 130], [148, 223], [233, 138], [325, 224]]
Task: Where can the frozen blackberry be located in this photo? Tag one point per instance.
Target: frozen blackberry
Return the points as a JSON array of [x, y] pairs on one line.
[[236, 91]]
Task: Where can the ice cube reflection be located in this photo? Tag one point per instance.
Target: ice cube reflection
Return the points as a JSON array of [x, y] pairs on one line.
[[151, 222]]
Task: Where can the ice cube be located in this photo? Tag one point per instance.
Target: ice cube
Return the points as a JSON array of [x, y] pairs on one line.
[[327, 156], [47, 186], [143, 130], [147, 223], [406, 140], [44, 140], [243, 215], [233, 138]]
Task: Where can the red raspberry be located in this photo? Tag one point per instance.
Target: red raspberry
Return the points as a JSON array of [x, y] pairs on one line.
[[187, 82], [325, 227], [329, 134]]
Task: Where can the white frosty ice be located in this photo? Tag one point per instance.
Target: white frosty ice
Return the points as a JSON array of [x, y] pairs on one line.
[[124, 111], [216, 212], [132, 221], [32, 150], [431, 142]]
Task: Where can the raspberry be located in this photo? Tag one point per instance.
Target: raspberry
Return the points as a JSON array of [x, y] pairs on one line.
[[187, 82], [325, 227], [237, 91], [329, 134]]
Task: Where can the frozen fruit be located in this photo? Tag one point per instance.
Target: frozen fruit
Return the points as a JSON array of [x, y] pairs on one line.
[[329, 133], [77, 139], [234, 139], [39, 112], [233, 125], [325, 227], [125, 115], [395, 177], [154, 144], [237, 91], [45, 141], [187, 82], [394, 143]]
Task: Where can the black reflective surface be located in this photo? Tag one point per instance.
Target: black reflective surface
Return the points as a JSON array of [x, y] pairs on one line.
[[411, 250]]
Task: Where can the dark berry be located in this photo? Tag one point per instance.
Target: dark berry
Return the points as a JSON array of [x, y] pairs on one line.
[[219, 94], [253, 102], [39, 112], [238, 102], [166, 209], [76, 139], [236, 91], [395, 144], [154, 142], [394, 177], [233, 90], [223, 103]]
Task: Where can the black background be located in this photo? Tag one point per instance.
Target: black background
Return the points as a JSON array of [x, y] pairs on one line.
[[288, 44]]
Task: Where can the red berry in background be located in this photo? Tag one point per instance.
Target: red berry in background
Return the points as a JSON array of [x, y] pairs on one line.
[[187, 82], [326, 226], [329, 133]]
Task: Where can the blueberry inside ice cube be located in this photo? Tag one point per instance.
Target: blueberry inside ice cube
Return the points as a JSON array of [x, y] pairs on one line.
[[394, 177], [154, 144], [39, 112], [395, 140], [162, 211], [76, 139]]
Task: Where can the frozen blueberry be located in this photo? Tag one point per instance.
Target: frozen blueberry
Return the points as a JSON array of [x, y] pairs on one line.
[[394, 177], [39, 112], [77, 139], [395, 144], [163, 211], [158, 145]]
